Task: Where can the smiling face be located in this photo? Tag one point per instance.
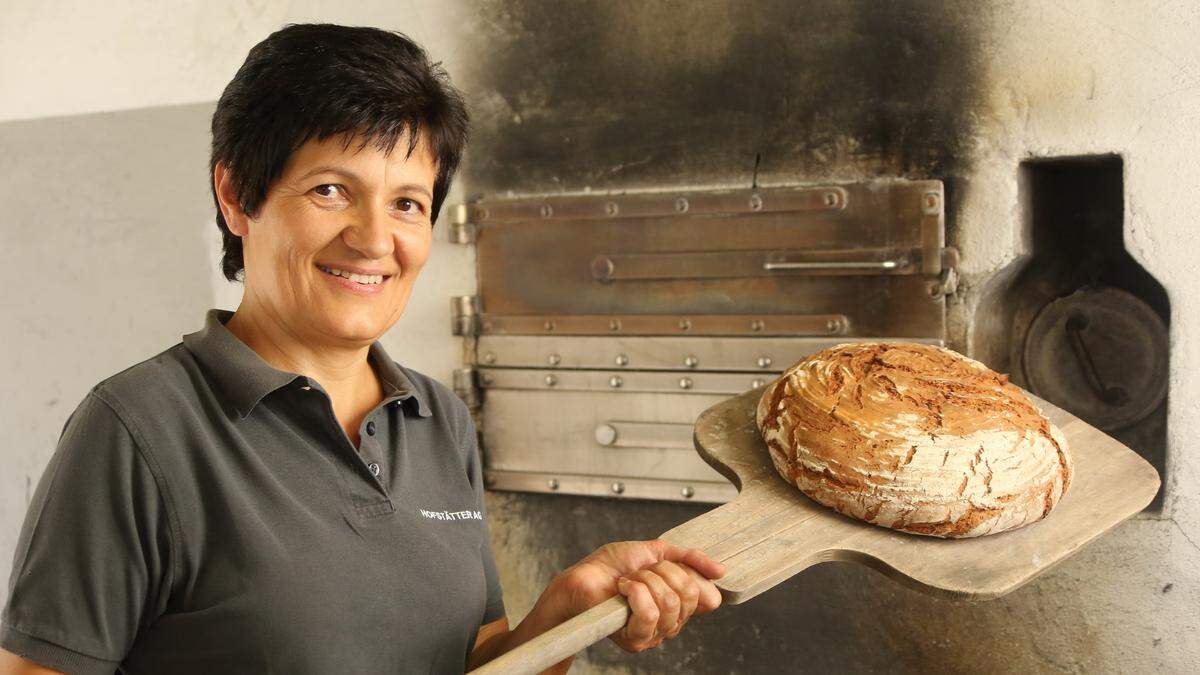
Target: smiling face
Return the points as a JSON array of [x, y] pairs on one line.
[[335, 213]]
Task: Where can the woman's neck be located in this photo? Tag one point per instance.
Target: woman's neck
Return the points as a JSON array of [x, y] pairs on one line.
[[345, 373]]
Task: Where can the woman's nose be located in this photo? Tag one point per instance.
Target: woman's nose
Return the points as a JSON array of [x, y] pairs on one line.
[[370, 234]]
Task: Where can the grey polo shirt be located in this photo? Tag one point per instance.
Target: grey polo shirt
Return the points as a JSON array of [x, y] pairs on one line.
[[206, 513]]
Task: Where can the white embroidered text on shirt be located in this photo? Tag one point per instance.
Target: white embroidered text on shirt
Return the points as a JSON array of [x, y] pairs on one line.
[[452, 515]]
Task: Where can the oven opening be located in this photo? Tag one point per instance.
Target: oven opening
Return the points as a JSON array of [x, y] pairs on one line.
[[1081, 322]]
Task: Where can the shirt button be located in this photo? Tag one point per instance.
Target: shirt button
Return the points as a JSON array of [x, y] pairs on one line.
[[371, 428], [374, 467]]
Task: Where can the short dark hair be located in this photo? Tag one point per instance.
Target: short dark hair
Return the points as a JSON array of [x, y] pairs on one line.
[[321, 80]]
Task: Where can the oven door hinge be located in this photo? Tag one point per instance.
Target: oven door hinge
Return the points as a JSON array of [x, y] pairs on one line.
[[462, 230], [465, 387], [946, 282], [464, 315]]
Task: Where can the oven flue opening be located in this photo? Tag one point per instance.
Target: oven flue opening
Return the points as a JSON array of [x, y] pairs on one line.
[[1082, 323]]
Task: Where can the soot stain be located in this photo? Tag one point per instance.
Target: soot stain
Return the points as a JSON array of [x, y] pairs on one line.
[[620, 95]]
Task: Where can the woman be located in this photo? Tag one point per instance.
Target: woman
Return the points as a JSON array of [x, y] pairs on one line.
[[275, 494]]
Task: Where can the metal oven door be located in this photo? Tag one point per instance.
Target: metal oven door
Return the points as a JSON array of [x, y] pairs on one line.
[[604, 324]]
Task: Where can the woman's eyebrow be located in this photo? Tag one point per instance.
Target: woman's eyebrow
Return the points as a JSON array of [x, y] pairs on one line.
[[414, 187]]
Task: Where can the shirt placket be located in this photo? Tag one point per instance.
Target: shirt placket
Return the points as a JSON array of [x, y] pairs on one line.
[[368, 463], [372, 435]]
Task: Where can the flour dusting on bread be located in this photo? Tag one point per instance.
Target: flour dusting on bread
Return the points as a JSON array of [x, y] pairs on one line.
[[916, 438]]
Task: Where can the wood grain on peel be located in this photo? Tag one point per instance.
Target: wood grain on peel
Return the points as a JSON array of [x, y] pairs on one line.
[[914, 437]]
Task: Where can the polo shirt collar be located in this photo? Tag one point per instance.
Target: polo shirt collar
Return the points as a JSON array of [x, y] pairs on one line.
[[246, 378], [396, 385]]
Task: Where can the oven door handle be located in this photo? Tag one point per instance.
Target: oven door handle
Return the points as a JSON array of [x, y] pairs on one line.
[[609, 267], [845, 265], [664, 435]]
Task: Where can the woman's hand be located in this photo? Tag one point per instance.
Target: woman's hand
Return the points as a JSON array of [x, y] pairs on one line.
[[664, 584]]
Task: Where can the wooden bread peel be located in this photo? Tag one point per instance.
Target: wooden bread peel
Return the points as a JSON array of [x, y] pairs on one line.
[[771, 531]]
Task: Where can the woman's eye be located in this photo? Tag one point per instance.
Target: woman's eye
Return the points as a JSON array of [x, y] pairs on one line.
[[327, 186], [409, 205]]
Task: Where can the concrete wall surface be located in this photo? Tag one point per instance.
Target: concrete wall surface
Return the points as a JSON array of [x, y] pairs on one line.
[[72, 56], [109, 251]]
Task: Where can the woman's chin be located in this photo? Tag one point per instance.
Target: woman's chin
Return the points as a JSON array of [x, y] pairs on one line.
[[353, 329]]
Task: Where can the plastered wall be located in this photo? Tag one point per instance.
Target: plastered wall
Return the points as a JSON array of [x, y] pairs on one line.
[[73, 56], [108, 251]]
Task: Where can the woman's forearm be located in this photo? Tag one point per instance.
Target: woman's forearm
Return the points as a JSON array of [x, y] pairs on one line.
[[549, 611]]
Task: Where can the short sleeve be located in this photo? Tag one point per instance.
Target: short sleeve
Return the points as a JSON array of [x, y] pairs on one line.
[[92, 563], [495, 597]]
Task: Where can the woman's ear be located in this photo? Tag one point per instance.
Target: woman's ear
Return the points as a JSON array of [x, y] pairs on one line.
[[235, 218]]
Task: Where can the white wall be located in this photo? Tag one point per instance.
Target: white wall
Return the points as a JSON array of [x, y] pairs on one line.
[[72, 56], [1094, 78]]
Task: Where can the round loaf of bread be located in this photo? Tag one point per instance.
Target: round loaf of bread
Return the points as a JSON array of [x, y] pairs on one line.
[[914, 437]]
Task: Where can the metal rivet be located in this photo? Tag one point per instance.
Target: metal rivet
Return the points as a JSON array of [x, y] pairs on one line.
[[931, 200], [935, 289], [833, 325], [690, 361], [549, 325], [615, 381], [685, 383], [551, 380], [602, 269], [681, 205], [687, 492], [621, 360], [756, 384], [756, 203], [618, 487], [485, 378], [606, 434], [487, 326], [554, 359], [552, 483], [831, 199], [764, 362], [614, 325], [685, 325], [547, 210], [611, 208], [489, 357], [756, 325]]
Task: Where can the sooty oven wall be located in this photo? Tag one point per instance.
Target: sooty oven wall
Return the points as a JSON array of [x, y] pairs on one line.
[[632, 95]]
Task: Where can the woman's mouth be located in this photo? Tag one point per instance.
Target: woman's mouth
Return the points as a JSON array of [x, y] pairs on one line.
[[365, 284]]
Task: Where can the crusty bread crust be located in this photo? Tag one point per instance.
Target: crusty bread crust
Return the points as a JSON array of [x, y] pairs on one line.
[[914, 437]]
